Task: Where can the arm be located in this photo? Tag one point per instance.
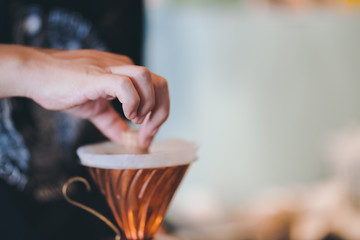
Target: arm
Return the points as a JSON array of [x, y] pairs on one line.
[[82, 83]]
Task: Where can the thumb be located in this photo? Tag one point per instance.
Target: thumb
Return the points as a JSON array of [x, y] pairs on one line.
[[104, 117], [110, 123]]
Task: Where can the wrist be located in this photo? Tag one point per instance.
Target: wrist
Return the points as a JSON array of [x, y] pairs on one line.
[[10, 64], [19, 66]]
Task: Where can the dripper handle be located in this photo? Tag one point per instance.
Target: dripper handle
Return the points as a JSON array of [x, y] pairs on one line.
[[86, 208]]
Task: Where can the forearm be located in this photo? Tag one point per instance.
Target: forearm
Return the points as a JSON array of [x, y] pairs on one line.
[[17, 67]]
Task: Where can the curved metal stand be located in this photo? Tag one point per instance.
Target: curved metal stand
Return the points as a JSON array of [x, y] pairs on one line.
[[86, 208]]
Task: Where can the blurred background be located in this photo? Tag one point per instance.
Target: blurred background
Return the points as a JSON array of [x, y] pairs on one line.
[[264, 87]]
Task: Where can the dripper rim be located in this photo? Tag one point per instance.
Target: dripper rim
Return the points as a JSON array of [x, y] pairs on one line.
[[172, 152]]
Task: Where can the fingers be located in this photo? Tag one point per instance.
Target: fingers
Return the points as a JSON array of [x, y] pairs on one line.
[[110, 123], [123, 88], [103, 116], [145, 99], [142, 79], [159, 113], [100, 77]]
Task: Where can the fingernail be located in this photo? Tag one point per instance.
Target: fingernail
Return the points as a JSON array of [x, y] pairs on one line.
[[140, 120], [148, 142], [132, 115], [154, 131]]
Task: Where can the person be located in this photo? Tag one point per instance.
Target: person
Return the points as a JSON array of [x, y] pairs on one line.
[[65, 67]]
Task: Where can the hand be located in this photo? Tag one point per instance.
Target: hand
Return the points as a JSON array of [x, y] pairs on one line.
[[82, 83]]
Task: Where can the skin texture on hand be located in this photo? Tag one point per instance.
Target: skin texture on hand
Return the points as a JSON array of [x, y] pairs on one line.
[[83, 82]]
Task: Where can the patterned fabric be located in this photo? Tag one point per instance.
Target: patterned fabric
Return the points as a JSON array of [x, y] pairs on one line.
[[14, 156], [58, 29]]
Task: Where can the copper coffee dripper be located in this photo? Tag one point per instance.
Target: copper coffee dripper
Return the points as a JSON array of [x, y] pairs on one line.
[[137, 185]]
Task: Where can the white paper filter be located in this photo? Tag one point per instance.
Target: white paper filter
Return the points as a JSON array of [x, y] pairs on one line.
[[167, 153]]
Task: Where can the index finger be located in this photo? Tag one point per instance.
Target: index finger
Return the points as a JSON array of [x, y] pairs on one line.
[[159, 113]]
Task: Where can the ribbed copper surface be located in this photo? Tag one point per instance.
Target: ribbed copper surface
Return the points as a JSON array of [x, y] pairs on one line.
[[139, 198]]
